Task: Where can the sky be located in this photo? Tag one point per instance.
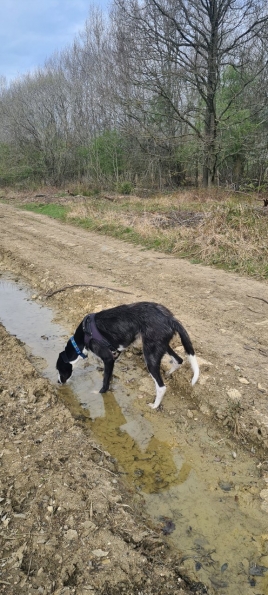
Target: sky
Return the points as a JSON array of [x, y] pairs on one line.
[[32, 30]]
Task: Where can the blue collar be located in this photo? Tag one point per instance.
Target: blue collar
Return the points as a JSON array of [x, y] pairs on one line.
[[78, 351]]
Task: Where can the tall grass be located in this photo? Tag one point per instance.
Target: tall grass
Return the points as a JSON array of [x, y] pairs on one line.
[[235, 237]]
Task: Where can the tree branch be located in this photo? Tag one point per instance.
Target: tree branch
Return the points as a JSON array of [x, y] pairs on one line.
[[50, 293]]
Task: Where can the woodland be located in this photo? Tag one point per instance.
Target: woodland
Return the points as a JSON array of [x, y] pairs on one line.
[[156, 94]]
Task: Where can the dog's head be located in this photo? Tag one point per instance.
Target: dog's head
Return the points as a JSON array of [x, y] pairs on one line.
[[65, 369]]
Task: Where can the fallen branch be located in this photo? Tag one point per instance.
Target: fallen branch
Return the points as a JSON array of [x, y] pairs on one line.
[[257, 298], [50, 293]]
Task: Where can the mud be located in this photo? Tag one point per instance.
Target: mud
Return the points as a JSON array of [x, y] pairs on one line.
[[229, 331]]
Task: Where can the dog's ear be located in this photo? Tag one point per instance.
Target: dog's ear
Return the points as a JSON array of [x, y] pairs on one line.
[[64, 368], [64, 357], [63, 363]]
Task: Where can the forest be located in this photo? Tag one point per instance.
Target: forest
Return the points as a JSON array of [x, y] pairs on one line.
[[157, 94]]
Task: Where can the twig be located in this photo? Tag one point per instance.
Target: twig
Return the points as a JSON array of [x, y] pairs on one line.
[[124, 505], [50, 293], [104, 469], [257, 298]]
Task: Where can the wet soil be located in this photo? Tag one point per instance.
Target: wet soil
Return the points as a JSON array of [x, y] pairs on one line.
[[69, 522]]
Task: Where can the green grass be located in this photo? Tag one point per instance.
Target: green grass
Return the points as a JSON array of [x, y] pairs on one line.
[[123, 233], [51, 210]]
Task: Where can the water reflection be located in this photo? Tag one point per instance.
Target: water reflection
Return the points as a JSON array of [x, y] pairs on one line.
[[152, 468]]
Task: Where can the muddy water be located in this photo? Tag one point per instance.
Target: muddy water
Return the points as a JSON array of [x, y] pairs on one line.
[[200, 489]]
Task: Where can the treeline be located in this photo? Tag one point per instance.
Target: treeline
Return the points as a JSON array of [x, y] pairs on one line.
[[156, 94]]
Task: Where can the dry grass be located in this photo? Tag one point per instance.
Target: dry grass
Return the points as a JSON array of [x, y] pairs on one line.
[[215, 229], [234, 236], [222, 229]]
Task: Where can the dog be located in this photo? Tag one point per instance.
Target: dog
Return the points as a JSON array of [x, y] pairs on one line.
[[109, 332]]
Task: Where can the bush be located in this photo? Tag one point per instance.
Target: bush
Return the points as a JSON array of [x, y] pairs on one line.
[[125, 188]]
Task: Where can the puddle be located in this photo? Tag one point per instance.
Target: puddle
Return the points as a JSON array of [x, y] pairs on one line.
[[205, 500]]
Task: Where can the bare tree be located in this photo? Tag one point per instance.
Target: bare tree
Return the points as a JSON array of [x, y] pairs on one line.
[[198, 39], [162, 88]]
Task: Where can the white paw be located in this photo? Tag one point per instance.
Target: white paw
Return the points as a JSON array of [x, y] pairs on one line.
[[152, 405]]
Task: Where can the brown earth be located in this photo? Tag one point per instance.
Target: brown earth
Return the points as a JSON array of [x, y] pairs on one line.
[[69, 524]]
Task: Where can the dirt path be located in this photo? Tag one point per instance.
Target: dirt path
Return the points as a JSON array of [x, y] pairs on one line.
[[229, 329], [68, 524]]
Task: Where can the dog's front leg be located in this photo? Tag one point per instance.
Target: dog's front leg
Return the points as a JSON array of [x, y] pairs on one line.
[[108, 370], [106, 355]]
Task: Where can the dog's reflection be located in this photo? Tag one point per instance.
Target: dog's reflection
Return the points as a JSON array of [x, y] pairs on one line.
[[152, 469]]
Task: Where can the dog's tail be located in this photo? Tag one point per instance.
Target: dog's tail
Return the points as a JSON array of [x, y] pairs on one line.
[[188, 347]]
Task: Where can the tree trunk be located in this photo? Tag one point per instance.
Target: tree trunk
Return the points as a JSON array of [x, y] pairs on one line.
[[209, 153]]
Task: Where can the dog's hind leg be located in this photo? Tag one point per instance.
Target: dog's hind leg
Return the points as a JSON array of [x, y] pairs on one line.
[[176, 360], [153, 358], [160, 391]]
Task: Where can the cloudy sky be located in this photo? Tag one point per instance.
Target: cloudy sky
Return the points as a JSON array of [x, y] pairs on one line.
[[31, 30]]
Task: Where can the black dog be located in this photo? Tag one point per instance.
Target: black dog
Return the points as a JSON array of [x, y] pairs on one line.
[[109, 332]]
